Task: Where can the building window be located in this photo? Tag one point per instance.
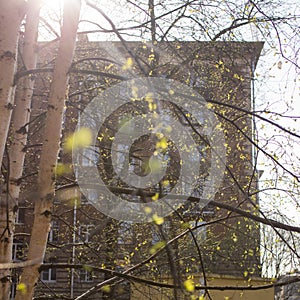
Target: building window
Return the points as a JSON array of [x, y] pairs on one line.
[[84, 233], [85, 276], [54, 232], [49, 275], [89, 157], [18, 251], [125, 233], [20, 216], [83, 200], [13, 287], [158, 236], [120, 161], [92, 195], [208, 211], [200, 231]]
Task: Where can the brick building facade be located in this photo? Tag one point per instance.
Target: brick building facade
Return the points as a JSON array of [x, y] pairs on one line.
[[222, 73]]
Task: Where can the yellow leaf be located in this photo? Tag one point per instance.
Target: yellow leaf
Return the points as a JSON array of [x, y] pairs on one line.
[[157, 220], [61, 169], [134, 91], [87, 268], [79, 139], [155, 197], [148, 210], [189, 285], [166, 182], [155, 165], [157, 246], [234, 237], [22, 288], [106, 288], [128, 64], [149, 97], [162, 143], [152, 106], [185, 225], [168, 129]]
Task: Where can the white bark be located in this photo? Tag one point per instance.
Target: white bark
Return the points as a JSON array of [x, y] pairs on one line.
[[11, 15], [23, 95], [17, 137], [50, 148]]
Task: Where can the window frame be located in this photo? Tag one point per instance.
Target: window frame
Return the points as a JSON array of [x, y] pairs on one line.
[[18, 247], [84, 232], [85, 276], [51, 274], [53, 235], [20, 217], [125, 229]]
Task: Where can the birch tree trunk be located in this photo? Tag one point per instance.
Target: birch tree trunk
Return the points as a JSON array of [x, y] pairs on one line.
[[50, 149], [18, 137], [11, 15]]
